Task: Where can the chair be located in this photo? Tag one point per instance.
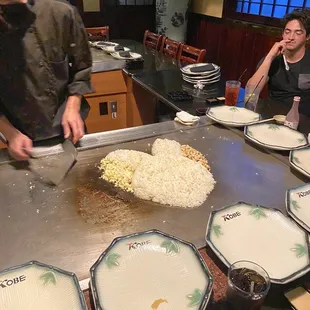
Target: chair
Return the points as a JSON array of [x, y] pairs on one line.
[[99, 33], [152, 40], [190, 55], [170, 47]]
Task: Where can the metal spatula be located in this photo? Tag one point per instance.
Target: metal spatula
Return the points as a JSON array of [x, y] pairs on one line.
[[52, 168]]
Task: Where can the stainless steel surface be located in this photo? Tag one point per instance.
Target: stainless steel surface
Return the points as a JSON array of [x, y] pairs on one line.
[[135, 133], [282, 156], [90, 141], [105, 62], [42, 223]]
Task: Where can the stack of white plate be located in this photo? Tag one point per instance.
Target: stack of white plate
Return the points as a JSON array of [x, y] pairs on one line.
[[108, 47], [205, 73], [100, 44]]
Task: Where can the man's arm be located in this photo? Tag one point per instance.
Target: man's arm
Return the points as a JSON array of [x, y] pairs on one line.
[[79, 57], [80, 78], [263, 70]]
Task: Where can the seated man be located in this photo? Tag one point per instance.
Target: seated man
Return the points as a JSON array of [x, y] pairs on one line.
[[285, 83], [45, 69]]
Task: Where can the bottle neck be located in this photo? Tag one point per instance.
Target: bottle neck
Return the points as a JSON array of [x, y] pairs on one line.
[[295, 103]]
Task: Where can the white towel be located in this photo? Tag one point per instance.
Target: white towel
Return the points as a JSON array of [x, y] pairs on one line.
[[187, 118], [185, 123]]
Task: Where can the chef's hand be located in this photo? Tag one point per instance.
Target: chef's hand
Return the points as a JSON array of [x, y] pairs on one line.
[[19, 145], [278, 48], [72, 122]]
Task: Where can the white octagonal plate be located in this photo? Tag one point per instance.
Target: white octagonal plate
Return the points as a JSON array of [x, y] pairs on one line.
[[232, 116], [35, 286], [99, 44], [202, 77], [187, 69], [298, 205], [264, 236], [150, 270], [204, 82], [300, 160], [111, 49], [276, 137], [132, 56]]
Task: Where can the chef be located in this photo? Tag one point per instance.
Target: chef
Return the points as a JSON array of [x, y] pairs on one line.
[[45, 69]]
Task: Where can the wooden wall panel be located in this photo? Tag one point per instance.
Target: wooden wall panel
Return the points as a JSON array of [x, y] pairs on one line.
[[141, 104], [107, 83], [100, 123], [234, 46]]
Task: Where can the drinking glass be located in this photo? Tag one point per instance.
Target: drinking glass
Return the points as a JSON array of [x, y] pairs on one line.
[[251, 97], [232, 92], [248, 285]]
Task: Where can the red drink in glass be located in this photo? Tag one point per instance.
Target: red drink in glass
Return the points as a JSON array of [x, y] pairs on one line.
[[232, 92]]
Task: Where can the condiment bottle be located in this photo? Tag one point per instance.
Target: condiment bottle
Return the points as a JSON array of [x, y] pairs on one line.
[[292, 117]]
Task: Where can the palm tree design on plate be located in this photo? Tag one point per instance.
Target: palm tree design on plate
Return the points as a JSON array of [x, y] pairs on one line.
[[48, 278], [258, 213], [296, 160], [217, 230], [301, 140], [295, 205], [234, 110], [300, 250], [171, 246], [273, 127], [111, 260], [195, 298]]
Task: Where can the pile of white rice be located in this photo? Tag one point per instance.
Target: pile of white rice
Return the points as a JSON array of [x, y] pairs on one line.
[[172, 180], [166, 147], [167, 177], [131, 157]]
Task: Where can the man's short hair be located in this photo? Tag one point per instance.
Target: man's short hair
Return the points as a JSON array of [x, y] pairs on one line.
[[302, 15]]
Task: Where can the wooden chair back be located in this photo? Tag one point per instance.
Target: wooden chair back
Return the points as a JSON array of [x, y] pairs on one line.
[[152, 40], [170, 47], [190, 55], [99, 33]]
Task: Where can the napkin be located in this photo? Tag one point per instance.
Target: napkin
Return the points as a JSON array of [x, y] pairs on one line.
[[184, 123], [204, 68], [186, 118], [299, 298], [124, 54], [119, 48]]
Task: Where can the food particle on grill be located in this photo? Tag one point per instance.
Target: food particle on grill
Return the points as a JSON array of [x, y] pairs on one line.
[[194, 155]]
